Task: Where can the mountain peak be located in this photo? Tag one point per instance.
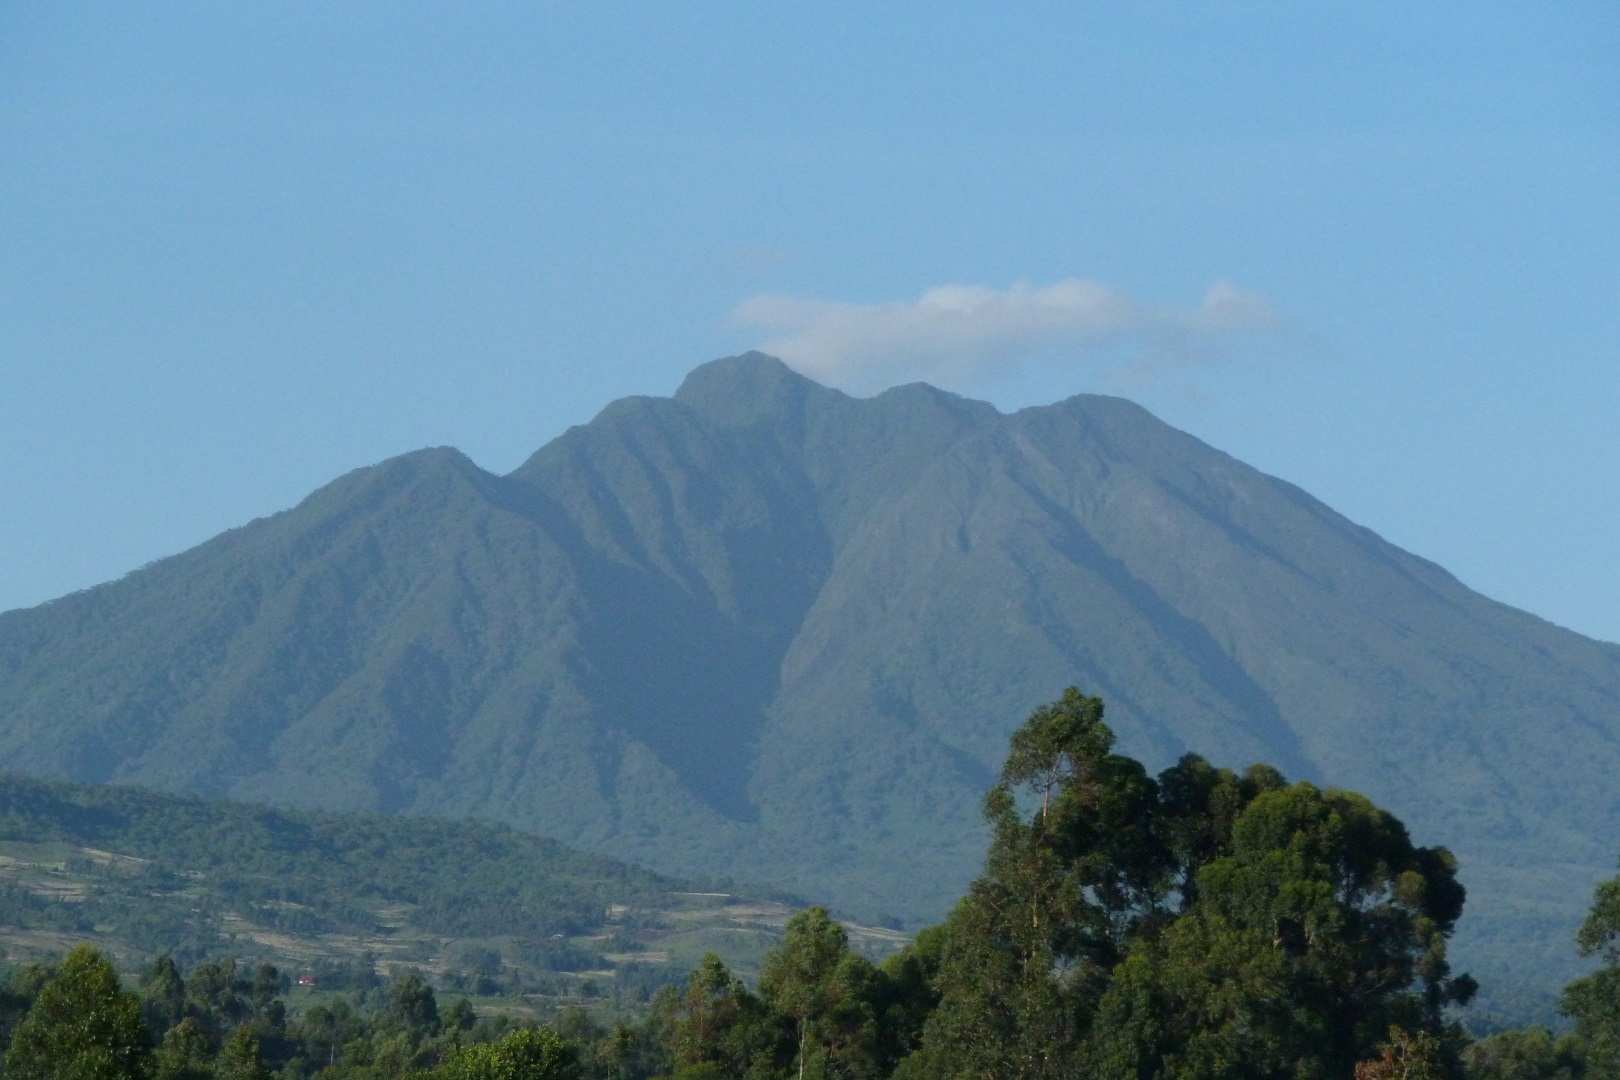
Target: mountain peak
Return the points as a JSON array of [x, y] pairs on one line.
[[742, 390]]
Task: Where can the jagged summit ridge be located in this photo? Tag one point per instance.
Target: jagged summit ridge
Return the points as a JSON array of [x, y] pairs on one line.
[[768, 629]]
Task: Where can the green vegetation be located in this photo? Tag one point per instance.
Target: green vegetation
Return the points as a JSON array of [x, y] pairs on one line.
[[1594, 1000], [82, 1026], [293, 871], [1592, 1050], [1198, 925], [339, 898]]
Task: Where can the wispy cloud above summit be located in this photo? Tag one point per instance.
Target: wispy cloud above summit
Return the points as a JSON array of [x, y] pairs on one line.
[[956, 334]]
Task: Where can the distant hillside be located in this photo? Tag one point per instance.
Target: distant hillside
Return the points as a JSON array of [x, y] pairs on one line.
[[480, 907], [767, 630]]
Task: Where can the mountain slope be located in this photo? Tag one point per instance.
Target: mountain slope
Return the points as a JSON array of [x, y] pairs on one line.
[[766, 629]]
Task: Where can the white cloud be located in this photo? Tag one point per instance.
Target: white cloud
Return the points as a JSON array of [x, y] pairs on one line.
[[957, 334]]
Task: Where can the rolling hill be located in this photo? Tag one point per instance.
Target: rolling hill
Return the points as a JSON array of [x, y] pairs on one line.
[[348, 898], [767, 630]]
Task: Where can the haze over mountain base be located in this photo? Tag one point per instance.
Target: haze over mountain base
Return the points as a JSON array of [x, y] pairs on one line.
[[768, 630]]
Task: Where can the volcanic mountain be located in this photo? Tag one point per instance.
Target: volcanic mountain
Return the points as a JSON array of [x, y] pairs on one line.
[[765, 629]]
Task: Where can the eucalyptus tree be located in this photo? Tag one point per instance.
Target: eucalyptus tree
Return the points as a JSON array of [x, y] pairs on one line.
[[1593, 1002], [1204, 923]]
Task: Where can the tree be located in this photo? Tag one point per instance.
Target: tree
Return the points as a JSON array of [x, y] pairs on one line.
[[827, 992], [1318, 929], [459, 1016], [239, 1058], [18, 997], [327, 1028], [1201, 924], [163, 995], [186, 1053], [1524, 1054], [83, 1026], [219, 995], [412, 1008], [625, 1052], [1405, 1057], [526, 1054], [1076, 865], [1593, 1002], [715, 1024], [907, 994]]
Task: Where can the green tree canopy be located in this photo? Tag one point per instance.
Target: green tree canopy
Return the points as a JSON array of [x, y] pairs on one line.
[[716, 1025], [1525, 1054], [1203, 923], [828, 992], [526, 1054], [239, 1057], [83, 1026], [1593, 1002]]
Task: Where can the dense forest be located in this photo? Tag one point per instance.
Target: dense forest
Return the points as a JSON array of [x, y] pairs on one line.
[[1199, 924]]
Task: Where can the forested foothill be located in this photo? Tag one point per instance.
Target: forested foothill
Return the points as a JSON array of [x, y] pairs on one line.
[[481, 908], [1203, 923]]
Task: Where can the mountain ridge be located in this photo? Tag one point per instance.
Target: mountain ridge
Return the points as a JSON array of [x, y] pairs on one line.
[[764, 629]]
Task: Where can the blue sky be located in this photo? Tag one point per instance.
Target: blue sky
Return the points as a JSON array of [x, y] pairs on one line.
[[1371, 249]]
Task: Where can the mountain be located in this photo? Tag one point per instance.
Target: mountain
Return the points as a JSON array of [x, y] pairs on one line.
[[768, 630]]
